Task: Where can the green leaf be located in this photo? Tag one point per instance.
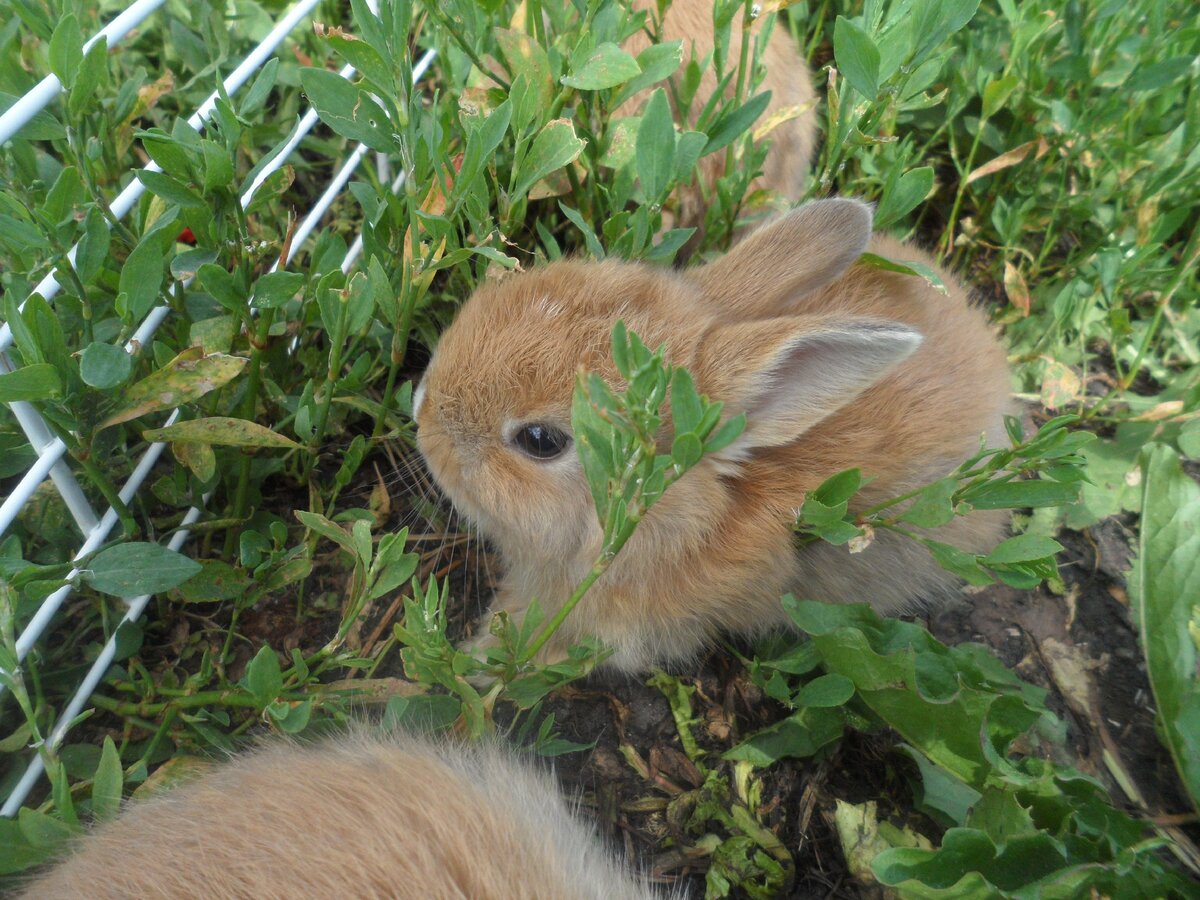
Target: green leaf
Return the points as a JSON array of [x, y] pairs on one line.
[[1023, 548], [93, 246], [657, 62], [135, 568], [655, 147], [933, 507], [735, 123], [263, 676], [912, 187], [800, 735], [43, 831], [275, 289], [216, 581], [66, 50], [1021, 494], [964, 565], [606, 67], [996, 94], [905, 267], [37, 382], [171, 189], [141, 277], [825, 691], [348, 110], [222, 431], [1165, 587], [838, 489], [42, 127], [93, 74], [104, 366], [555, 146], [189, 376], [857, 57], [107, 782]]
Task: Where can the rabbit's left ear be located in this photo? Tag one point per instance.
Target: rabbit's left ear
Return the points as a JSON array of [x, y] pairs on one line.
[[788, 374], [769, 272]]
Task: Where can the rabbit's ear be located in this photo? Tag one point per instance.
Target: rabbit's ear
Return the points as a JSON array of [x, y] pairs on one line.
[[788, 374], [767, 273]]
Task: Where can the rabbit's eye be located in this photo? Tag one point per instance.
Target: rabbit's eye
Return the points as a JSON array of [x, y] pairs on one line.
[[540, 441]]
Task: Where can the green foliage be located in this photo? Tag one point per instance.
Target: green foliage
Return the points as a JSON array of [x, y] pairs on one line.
[[1048, 148], [1165, 585], [1021, 823]]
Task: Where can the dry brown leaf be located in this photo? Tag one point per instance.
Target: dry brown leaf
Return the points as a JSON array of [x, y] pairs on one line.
[[1010, 158]]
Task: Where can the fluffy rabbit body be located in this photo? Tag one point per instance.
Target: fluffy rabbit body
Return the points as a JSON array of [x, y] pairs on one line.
[[393, 817], [837, 365]]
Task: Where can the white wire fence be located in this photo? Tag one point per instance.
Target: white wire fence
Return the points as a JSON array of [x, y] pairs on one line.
[[51, 462]]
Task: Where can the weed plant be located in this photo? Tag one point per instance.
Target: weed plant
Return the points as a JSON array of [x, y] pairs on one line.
[[1049, 150]]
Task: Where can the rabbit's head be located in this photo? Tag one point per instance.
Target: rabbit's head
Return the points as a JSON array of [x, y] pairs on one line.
[[494, 409]]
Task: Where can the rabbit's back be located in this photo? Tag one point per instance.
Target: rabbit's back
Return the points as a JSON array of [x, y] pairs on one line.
[[363, 817]]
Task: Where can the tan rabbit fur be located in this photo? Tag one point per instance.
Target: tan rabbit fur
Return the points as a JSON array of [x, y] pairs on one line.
[[787, 78], [837, 365], [395, 817]]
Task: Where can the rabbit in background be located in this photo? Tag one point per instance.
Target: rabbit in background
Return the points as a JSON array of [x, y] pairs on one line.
[[836, 365], [786, 77], [355, 816]]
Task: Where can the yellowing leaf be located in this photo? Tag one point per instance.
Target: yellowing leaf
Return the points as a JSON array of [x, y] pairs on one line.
[[189, 376], [1016, 288], [221, 431], [1060, 385]]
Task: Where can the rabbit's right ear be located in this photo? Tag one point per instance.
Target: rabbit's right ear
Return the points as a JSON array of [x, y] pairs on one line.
[[782, 262], [788, 374]]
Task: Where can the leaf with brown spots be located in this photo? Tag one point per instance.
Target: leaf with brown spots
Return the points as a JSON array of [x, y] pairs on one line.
[[189, 376]]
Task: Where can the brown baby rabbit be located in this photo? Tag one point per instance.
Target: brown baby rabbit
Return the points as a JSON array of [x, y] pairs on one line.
[[787, 79], [836, 365], [395, 817]]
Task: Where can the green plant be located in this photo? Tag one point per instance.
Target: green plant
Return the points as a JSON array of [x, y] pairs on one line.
[[1047, 148]]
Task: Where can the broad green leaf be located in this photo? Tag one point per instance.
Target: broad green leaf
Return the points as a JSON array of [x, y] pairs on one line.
[[216, 580], [655, 147], [802, 734], [906, 267], [263, 676], [857, 56], [825, 691], [171, 189], [997, 92], [222, 431], [657, 62], [348, 110], [187, 377], [141, 277], [138, 567], [42, 831], [66, 50], [1021, 494], [93, 246], [735, 123], [42, 127], [37, 382], [911, 188], [555, 146], [93, 74], [1165, 587], [107, 782], [275, 289], [104, 366], [606, 67], [932, 508], [1023, 548]]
